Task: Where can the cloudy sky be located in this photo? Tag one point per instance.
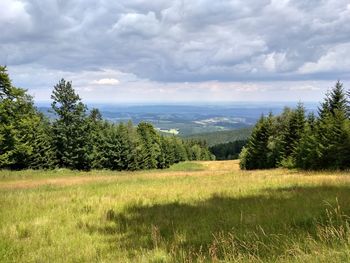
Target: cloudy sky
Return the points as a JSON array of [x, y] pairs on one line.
[[179, 50]]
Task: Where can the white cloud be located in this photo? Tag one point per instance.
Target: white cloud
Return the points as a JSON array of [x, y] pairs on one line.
[[14, 19], [336, 59], [304, 88], [106, 82], [11, 11], [137, 24], [274, 61], [157, 42]]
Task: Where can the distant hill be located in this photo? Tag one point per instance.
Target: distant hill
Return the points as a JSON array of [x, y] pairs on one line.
[[219, 137]]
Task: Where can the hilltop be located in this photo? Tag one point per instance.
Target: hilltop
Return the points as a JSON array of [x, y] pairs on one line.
[[193, 211]]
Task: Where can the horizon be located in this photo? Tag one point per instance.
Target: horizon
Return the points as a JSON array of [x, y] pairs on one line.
[[237, 104]]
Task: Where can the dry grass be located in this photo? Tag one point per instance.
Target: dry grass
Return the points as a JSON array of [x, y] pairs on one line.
[[202, 212]]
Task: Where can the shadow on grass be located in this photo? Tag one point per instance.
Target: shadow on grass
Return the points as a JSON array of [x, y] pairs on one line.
[[265, 224]]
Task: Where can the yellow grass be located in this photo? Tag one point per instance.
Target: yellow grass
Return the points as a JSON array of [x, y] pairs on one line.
[[207, 211]]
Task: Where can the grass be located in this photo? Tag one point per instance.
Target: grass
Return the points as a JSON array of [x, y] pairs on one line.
[[187, 166], [192, 212]]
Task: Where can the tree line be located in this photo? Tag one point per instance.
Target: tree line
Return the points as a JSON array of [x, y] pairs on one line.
[[227, 151], [296, 140], [78, 138]]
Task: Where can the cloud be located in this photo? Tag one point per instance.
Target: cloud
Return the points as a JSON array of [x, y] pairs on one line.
[[176, 41], [336, 59], [137, 24], [14, 20], [304, 88], [106, 82]]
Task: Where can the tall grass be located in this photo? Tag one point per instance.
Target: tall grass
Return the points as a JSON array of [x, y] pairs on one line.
[[218, 214]]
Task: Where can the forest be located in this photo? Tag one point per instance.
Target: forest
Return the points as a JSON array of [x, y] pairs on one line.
[[78, 138], [228, 151], [294, 140]]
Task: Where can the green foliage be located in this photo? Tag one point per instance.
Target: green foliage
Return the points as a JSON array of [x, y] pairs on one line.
[[257, 154], [70, 129], [308, 143], [150, 146], [220, 137], [227, 151], [42, 156], [20, 124], [78, 139]]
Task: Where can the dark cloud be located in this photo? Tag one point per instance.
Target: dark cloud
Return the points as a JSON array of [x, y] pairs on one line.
[[181, 40]]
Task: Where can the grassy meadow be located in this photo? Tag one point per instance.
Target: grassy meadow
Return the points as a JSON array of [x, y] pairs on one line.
[[192, 212]]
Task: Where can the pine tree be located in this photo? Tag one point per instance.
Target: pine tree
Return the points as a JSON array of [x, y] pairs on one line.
[[166, 156], [307, 154], [338, 100], [43, 155], [96, 127], [126, 153], [326, 141], [179, 150], [331, 130], [18, 121], [70, 129], [292, 135], [135, 145], [256, 154], [150, 145]]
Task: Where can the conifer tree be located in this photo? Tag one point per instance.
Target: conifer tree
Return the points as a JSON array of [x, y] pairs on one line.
[[150, 145], [43, 155], [166, 156], [292, 135], [179, 150], [96, 127], [332, 131], [70, 129], [134, 146], [18, 121], [256, 153], [307, 154], [338, 100]]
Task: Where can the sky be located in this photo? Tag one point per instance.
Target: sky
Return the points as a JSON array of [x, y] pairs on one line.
[[177, 51]]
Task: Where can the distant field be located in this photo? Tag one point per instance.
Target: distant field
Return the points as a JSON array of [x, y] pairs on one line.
[[192, 212], [184, 119]]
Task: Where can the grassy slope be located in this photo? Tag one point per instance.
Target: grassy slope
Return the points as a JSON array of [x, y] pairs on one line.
[[214, 138], [203, 211]]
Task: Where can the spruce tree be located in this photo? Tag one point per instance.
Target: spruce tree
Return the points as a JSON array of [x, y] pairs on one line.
[[338, 100], [292, 135], [96, 126], [134, 143], [307, 154], [332, 132], [179, 150], [18, 122], [43, 155], [256, 154], [70, 129], [150, 145]]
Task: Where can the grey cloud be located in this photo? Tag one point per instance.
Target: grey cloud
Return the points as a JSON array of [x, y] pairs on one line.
[[180, 40]]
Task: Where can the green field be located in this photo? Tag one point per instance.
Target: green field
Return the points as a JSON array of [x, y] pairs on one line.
[[192, 212]]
